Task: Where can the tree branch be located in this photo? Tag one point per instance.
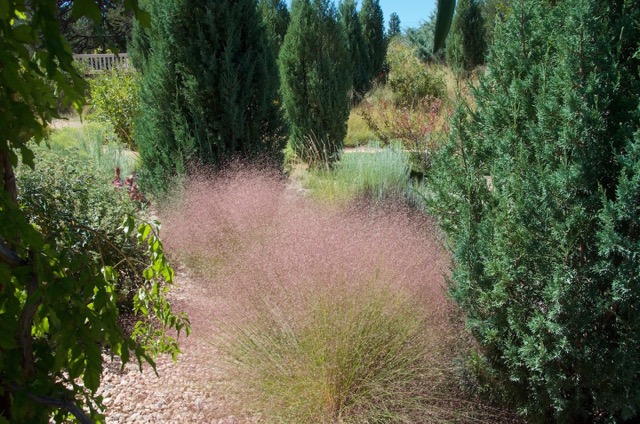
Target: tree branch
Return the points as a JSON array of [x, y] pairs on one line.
[[8, 256], [57, 403]]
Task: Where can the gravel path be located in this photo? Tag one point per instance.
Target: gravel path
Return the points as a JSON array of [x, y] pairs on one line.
[[193, 390]]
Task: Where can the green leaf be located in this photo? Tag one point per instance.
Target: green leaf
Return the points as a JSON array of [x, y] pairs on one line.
[[4, 14], [23, 33], [86, 8], [27, 156], [7, 341], [92, 376], [148, 274], [446, 9]]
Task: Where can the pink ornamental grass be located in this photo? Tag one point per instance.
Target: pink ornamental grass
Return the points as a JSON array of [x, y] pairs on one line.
[[297, 289]]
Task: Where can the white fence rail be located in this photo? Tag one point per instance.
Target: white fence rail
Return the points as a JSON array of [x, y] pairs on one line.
[[102, 62]]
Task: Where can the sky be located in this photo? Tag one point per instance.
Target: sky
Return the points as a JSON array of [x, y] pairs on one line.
[[411, 12]]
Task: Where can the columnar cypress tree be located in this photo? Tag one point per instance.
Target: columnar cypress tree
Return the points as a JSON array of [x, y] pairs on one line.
[[372, 20], [316, 77], [466, 47], [276, 18], [160, 125], [539, 192], [394, 25], [357, 49], [210, 86]]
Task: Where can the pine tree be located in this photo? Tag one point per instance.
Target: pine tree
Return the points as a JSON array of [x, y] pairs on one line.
[[466, 47], [276, 18], [316, 77], [357, 50], [372, 20], [394, 26], [538, 191], [209, 89]]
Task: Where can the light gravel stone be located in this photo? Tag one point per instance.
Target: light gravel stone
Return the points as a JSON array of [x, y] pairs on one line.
[[193, 390]]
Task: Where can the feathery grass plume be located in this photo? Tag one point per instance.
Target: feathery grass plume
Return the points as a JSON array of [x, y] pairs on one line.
[[326, 314]]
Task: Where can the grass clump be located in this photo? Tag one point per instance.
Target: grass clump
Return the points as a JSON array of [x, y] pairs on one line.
[[354, 356], [358, 131], [325, 314], [376, 174], [96, 143]]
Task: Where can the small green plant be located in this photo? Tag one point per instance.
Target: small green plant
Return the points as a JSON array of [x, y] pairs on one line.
[[115, 100], [376, 174]]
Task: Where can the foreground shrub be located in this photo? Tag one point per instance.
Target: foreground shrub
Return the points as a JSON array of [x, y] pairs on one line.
[[331, 314], [94, 257], [68, 194], [538, 192], [115, 100]]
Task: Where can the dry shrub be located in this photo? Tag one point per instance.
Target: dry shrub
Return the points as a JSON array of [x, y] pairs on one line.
[[417, 126], [326, 315]]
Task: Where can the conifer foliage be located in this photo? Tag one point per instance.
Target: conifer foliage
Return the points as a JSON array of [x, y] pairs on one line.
[[372, 20], [210, 86], [466, 47], [316, 77], [357, 49], [394, 26], [276, 18], [539, 193]]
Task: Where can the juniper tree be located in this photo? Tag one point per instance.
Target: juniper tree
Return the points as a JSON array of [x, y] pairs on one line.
[[316, 77], [372, 20], [276, 18], [538, 190], [209, 86], [357, 50], [466, 46], [394, 25]]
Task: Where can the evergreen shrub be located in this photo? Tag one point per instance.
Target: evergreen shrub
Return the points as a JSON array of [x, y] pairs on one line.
[[209, 87], [316, 75], [357, 48], [466, 47], [372, 20], [538, 191]]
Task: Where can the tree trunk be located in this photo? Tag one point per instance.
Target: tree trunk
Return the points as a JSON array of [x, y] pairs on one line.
[[8, 175]]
